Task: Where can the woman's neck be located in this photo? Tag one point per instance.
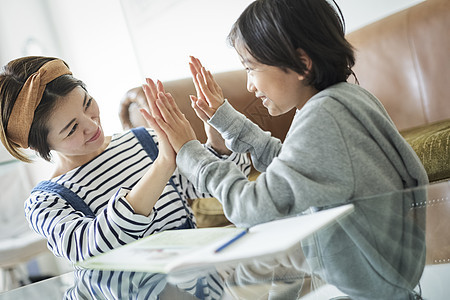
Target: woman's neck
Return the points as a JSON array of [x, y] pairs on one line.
[[66, 163]]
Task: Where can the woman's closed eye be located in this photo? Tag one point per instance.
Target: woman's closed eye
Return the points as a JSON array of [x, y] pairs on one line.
[[88, 103], [74, 128]]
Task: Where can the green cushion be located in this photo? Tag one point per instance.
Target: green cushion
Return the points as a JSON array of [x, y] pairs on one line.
[[432, 144]]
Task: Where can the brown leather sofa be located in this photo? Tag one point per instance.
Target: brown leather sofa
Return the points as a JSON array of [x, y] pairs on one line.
[[404, 60]]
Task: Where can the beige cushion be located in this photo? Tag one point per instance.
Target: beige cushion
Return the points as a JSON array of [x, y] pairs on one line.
[[209, 211], [432, 144]]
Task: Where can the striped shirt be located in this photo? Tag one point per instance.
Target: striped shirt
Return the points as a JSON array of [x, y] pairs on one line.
[[103, 183]]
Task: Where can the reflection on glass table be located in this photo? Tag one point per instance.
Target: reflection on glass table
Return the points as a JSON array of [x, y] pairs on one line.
[[49, 289], [392, 246]]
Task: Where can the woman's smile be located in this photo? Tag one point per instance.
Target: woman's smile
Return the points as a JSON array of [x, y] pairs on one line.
[[96, 135]]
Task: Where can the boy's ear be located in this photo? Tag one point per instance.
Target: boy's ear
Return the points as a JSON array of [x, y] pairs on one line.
[[306, 60]]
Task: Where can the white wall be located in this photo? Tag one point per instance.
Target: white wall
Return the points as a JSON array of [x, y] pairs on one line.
[[25, 30], [95, 42], [166, 32]]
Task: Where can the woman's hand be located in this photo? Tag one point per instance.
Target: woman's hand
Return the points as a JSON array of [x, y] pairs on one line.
[[172, 121], [144, 195], [209, 98], [166, 155]]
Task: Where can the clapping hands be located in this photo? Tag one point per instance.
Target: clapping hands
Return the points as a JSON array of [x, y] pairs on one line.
[[168, 120], [166, 116]]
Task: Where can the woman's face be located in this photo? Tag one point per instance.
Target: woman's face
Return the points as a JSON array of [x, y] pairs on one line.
[[74, 125], [279, 90]]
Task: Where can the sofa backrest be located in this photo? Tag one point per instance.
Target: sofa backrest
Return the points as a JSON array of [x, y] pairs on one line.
[[404, 60]]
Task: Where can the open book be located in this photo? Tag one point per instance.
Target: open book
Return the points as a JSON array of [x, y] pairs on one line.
[[181, 250]]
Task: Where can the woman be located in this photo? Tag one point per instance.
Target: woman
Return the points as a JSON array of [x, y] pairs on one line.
[[105, 191]]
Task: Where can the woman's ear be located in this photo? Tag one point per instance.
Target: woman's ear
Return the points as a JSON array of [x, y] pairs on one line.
[[306, 60]]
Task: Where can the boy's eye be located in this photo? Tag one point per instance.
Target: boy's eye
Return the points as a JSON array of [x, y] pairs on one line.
[[73, 130]]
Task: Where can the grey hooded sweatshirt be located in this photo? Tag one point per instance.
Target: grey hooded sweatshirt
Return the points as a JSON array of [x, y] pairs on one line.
[[342, 147]]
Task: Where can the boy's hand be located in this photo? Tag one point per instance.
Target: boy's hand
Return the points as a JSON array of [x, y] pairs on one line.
[[209, 98], [209, 94]]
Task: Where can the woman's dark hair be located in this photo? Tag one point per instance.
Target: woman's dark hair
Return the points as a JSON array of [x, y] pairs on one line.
[[12, 79], [272, 31]]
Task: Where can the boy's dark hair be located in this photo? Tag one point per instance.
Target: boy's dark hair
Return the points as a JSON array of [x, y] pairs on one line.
[[273, 30], [12, 79]]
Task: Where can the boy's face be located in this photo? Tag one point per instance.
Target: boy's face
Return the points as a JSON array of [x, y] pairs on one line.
[[280, 90]]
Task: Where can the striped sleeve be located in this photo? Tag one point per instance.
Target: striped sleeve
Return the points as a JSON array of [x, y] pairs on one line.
[[72, 235]]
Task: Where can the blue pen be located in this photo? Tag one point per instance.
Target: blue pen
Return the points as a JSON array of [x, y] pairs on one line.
[[241, 234]]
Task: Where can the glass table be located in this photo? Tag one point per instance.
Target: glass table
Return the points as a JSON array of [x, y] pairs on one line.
[[392, 246]]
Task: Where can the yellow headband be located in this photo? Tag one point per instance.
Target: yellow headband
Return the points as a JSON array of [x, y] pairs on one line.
[[30, 96]]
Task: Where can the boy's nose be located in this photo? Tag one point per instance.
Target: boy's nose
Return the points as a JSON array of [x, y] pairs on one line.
[[250, 86]]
